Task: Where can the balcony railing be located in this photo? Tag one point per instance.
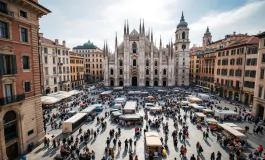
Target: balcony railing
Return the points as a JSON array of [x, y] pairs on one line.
[[60, 64], [12, 99], [7, 12]]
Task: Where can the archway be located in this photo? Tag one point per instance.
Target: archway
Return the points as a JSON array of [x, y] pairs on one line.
[[147, 83], [156, 83], [236, 96], [134, 81], [47, 91], [121, 83], [73, 85], [225, 94], [10, 133], [112, 83], [230, 95], [221, 92], [246, 98], [164, 83], [211, 88], [260, 111]]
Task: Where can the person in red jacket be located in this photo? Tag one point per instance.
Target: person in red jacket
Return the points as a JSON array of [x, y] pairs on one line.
[[260, 149]]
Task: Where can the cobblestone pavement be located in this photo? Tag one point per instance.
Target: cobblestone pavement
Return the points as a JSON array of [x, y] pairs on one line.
[[99, 143]]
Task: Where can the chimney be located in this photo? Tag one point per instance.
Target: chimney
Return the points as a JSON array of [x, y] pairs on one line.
[[40, 35], [234, 33], [56, 41], [64, 43]]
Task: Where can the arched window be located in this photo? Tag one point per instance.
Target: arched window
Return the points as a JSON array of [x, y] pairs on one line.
[[134, 62], [120, 62], [147, 63], [155, 63], [10, 126], [134, 47], [111, 71], [164, 71], [155, 71], [176, 36], [183, 35], [147, 72], [120, 71]]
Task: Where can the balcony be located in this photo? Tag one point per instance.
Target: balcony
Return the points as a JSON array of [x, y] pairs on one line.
[[7, 12], [60, 64], [12, 99], [62, 82]]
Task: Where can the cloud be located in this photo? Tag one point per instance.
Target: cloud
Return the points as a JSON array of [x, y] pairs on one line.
[[100, 20], [245, 19]]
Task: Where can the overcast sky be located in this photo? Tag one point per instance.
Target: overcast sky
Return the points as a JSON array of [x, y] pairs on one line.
[[78, 21]]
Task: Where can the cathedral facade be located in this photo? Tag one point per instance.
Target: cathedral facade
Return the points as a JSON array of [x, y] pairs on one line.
[[138, 62]]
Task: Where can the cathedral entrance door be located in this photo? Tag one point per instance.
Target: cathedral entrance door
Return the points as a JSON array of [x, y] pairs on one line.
[[164, 83], [134, 81], [156, 83], [147, 83], [111, 83]]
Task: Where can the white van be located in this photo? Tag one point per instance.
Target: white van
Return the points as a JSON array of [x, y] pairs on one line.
[[149, 105], [117, 106]]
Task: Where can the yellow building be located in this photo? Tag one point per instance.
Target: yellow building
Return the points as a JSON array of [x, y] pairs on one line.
[[77, 70], [93, 59], [194, 64], [259, 93]]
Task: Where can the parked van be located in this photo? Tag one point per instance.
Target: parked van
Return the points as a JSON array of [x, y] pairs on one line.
[[149, 105], [117, 106]]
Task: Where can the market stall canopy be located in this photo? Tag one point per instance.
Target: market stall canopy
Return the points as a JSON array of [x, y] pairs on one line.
[[88, 110], [116, 113], [207, 110], [222, 113], [231, 124], [49, 100], [152, 139], [156, 109], [130, 116], [239, 129], [211, 120], [200, 114], [106, 93], [194, 99], [233, 131], [73, 92], [144, 93]]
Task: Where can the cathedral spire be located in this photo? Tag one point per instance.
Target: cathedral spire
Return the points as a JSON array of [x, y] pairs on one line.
[[152, 35], [149, 33], [107, 48], [127, 27], [160, 45], [143, 28], [140, 28], [116, 42], [104, 48]]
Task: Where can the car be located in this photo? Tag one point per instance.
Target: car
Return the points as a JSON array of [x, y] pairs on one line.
[[99, 108]]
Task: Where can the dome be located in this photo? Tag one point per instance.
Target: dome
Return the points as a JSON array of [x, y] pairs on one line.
[[207, 31], [182, 22], [88, 43]]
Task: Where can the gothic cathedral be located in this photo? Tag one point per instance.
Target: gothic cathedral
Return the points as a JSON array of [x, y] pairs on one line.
[[138, 62]]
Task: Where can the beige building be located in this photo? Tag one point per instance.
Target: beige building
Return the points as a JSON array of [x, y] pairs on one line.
[[194, 64], [77, 70], [259, 95], [93, 57], [21, 122], [55, 64]]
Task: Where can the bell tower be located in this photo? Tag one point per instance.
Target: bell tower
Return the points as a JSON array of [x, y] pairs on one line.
[[207, 38]]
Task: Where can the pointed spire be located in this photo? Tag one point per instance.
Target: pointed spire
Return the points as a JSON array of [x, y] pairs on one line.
[[116, 41], [107, 48], [104, 48], [152, 35], [140, 28], [127, 27], [182, 17], [207, 30], [143, 28], [149, 33], [160, 45]]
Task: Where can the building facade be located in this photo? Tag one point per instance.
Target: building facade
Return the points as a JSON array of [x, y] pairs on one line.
[[77, 71], [93, 58], [21, 121], [259, 94], [194, 64], [138, 62], [55, 64]]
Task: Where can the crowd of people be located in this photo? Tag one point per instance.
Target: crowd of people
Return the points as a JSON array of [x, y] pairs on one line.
[[72, 146]]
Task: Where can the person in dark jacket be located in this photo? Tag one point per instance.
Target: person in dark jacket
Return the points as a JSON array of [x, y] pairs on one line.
[[192, 157]]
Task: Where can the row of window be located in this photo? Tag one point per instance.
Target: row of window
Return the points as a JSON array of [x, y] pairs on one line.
[[93, 65], [146, 72], [239, 61], [260, 90], [231, 72], [65, 70], [228, 82], [250, 73], [233, 52], [249, 84], [88, 60], [77, 77], [58, 51], [4, 32], [94, 72], [251, 62], [77, 69], [55, 80], [64, 60], [76, 61], [85, 51]]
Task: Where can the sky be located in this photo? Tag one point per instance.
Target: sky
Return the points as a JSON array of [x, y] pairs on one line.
[[78, 21]]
